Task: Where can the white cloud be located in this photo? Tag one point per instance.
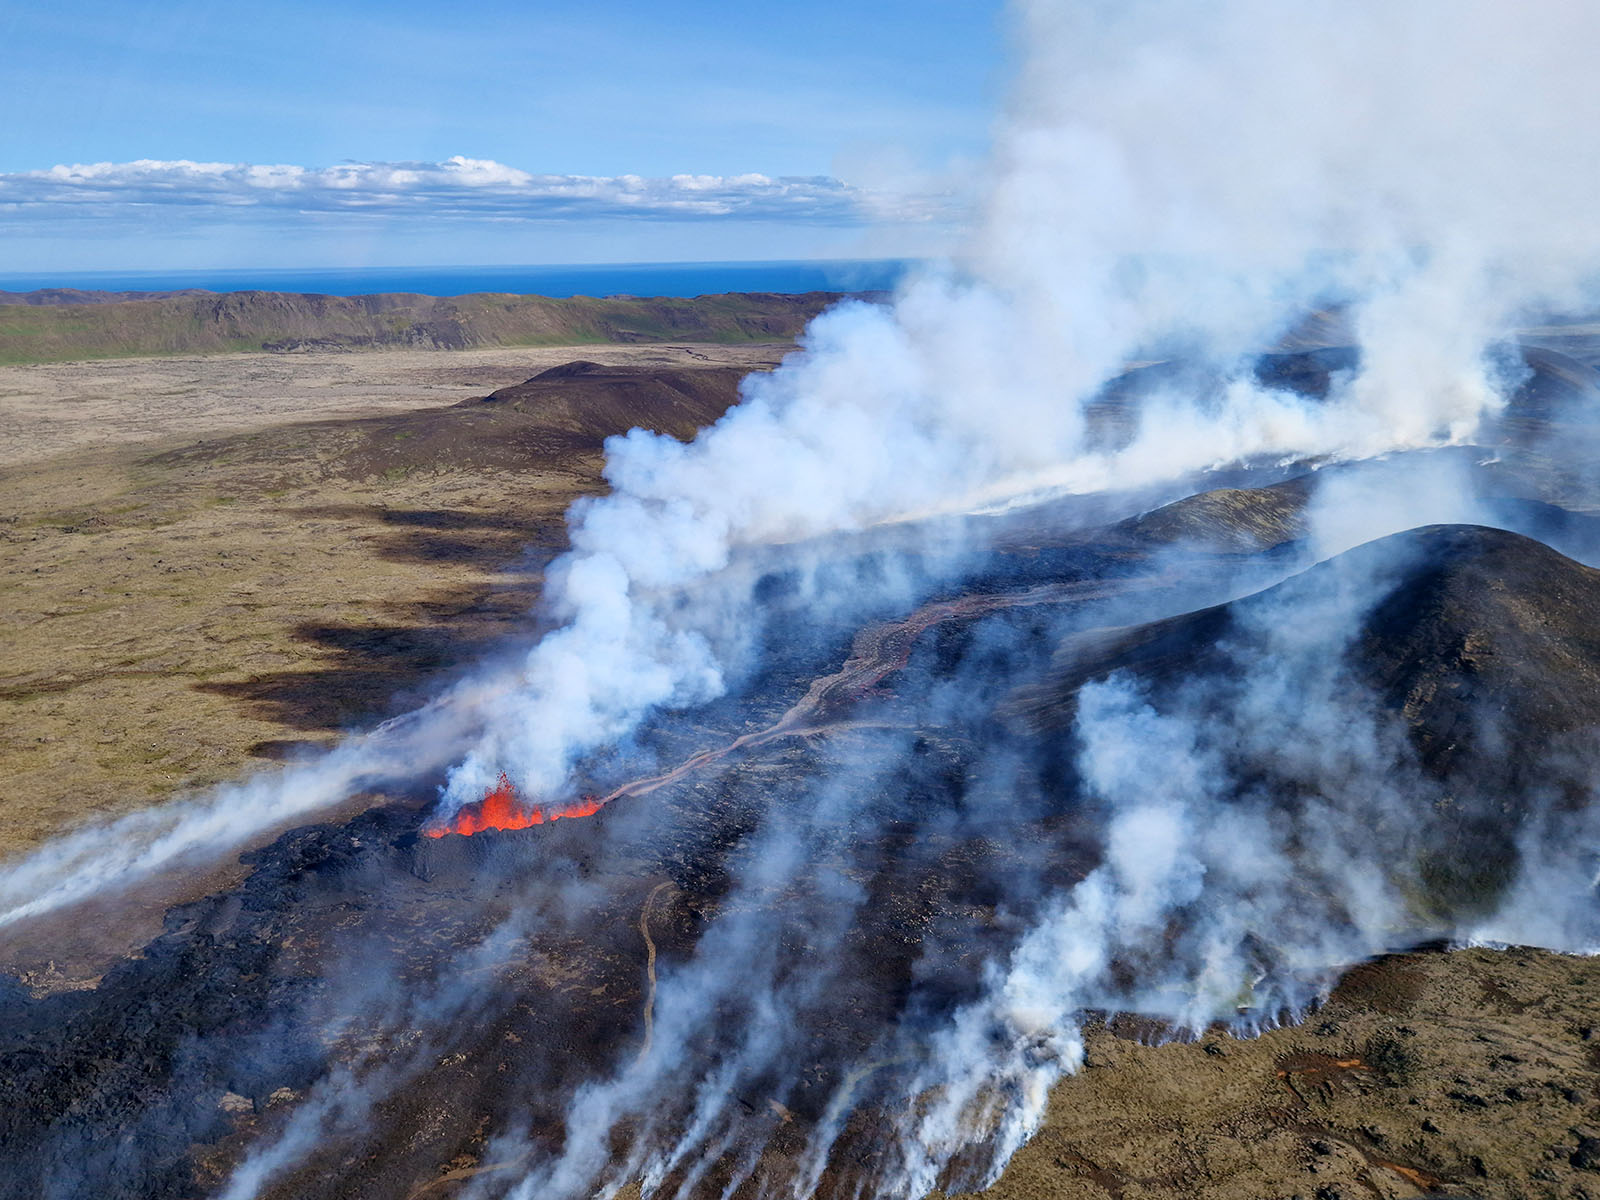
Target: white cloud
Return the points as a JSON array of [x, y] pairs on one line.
[[458, 187]]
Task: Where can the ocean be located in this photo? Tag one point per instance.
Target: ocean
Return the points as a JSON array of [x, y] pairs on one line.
[[611, 279]]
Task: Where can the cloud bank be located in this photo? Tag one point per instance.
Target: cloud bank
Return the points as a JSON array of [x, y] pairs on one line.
[[458, 188]]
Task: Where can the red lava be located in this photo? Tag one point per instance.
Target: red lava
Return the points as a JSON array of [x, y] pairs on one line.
[[502, 808]]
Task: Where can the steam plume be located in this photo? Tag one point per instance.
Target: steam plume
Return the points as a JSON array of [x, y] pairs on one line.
[[1169, 178]]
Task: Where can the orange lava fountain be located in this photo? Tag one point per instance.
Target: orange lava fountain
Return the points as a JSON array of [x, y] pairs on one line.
[[501, 808]]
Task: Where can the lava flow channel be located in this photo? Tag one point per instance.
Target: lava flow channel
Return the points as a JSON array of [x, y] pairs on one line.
[[878, 651], [501, 808]]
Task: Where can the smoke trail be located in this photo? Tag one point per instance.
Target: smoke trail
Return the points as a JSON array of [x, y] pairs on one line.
[[1239, 865], [343, 1100], [113, 855]]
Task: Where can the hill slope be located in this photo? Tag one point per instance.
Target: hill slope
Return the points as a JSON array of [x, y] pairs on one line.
[[212, 323], [1482, 642]]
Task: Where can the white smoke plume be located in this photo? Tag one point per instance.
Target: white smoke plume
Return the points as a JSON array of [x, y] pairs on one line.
[[1171, 177]]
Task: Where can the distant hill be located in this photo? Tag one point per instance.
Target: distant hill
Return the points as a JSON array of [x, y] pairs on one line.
[[44, 297], [59, 326]]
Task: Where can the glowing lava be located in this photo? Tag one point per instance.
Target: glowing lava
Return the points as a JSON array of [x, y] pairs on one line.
[[501, 808]]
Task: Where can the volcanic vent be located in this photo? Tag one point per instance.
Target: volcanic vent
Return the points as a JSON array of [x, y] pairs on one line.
[[502, 808]]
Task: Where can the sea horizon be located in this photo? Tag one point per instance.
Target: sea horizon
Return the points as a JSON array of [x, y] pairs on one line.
[[675, 279]]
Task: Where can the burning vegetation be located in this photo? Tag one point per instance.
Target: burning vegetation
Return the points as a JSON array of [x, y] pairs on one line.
[[502, 808]]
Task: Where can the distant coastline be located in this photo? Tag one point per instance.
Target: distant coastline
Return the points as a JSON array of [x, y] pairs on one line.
[[608, 279]]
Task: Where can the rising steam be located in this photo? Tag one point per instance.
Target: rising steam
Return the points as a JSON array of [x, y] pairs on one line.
[[1171, 177]]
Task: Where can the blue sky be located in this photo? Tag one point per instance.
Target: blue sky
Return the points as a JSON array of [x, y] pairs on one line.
[[808, 130]]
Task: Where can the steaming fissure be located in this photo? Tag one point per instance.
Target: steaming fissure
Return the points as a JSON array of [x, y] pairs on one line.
[[501, 808]]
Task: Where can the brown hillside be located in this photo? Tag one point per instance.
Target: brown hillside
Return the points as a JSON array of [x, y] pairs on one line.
[[211, 323]]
